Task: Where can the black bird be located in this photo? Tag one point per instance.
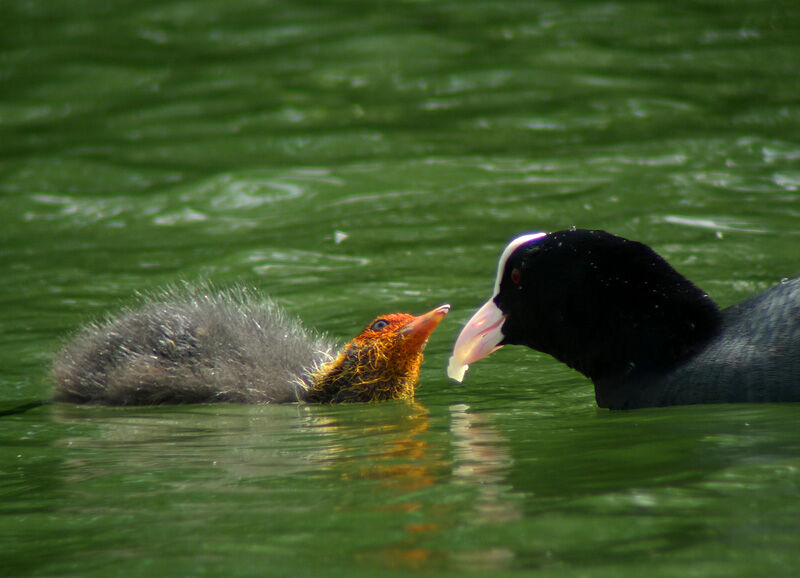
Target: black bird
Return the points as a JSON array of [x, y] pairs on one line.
[[646, 336], [198, 345]]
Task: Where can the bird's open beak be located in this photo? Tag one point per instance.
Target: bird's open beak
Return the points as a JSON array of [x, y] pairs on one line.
[[481, 336], [420, 328]]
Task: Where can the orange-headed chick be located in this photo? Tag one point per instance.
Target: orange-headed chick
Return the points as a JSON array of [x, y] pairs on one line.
[[382, 362], [200, 345]]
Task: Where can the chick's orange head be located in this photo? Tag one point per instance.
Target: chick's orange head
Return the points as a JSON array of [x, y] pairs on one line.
[[382, 362], [401, 332]]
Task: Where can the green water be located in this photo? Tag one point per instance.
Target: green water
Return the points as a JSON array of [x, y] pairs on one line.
[[352, 158]]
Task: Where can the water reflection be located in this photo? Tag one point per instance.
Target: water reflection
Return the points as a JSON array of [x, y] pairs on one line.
[[482, 458], [382, 443], [403, 457], [480, 464], [399, 468], [236, 442], [399, 486]]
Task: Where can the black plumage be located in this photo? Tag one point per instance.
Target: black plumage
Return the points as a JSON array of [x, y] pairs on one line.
[[617, 312]]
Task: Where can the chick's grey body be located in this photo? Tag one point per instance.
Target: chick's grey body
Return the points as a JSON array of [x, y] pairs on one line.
[[191, 345]]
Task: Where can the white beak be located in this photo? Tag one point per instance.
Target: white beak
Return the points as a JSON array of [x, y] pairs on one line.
[[480, 336]]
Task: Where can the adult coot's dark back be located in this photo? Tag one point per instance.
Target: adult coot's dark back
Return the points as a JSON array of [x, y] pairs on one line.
[[645, 335], [197, 346]]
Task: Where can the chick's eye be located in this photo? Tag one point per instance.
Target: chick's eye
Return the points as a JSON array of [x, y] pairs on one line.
[[379, 325], [515, 276]]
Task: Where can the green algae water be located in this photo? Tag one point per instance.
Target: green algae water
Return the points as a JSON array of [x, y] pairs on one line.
[[351, 158]]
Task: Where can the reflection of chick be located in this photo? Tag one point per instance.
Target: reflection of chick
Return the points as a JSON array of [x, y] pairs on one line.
[[195, 347], [399, 454]]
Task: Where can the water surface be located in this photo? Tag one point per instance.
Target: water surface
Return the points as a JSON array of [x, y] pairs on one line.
[[351, 158]]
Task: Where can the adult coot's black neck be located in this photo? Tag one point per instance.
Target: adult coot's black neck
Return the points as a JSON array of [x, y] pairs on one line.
[[604, 305]]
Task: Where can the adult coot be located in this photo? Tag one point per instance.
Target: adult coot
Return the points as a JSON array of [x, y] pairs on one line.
[[645, 335], [195, 345]]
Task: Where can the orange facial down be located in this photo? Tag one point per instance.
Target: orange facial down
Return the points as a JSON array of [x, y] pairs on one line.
[[382, 362]]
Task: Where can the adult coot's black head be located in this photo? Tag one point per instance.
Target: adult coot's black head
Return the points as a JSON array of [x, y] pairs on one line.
[[617, 312]]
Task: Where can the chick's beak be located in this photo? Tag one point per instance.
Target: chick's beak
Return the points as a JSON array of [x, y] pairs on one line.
[[420, 328], [481, 336]]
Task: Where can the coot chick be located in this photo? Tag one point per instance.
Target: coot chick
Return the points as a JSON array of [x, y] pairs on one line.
[[195, 345], [645, 335]]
